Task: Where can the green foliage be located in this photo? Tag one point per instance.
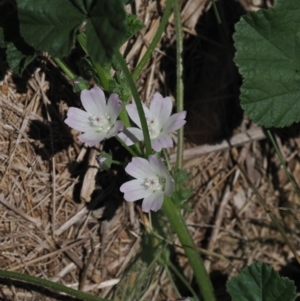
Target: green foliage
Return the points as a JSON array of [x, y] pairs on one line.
[[133, 25], [18, 53], [182, 193], [50, 26], [17, 60], [105, 29], [267, 43], [260, 282], [107, 163], [80, 84]]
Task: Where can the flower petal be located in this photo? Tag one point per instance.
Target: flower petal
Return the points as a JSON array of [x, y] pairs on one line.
[[157, 166], [91, 138], [161, 108], [169, 186], [131, 136], [78, 119], [134, 115], [93, 101], [153, 201], [139, 168], [163, 141], [160, 169], [116, 129], [134, 190], [114, 107], [175, 122]]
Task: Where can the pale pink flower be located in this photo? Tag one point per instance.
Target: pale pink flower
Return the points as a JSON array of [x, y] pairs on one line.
[[159, 120], [99, 122], [152, 183]]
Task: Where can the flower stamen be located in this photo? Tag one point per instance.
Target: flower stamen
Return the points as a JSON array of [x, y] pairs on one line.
[[101, 122], [155, 183], [153, 127]]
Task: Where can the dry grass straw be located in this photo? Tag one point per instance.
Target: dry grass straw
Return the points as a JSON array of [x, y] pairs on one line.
[[45, 233]]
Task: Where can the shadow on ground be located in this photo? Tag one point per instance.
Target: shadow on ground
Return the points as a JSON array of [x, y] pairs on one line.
[[211, 80]]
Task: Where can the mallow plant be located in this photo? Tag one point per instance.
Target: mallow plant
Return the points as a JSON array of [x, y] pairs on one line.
[[267, 55]]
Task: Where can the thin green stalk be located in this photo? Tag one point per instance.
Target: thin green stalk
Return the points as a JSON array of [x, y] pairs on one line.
[[137, 99], [49, 284], [176, 220], [224, 36], [149, 51], [65, 68], [131, 151], [179, 79], [295, 187], [102, 76], [118, 163], [216, 12], [172, 281], [183, 280], [167, 159], [81, 38]]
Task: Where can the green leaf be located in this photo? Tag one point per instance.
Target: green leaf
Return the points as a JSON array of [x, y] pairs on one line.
[[18, 53], [134, 25], [260, 282], [80, 84], [104, 165], [105, 29], [49, 25], [267, 43], [17, 60]]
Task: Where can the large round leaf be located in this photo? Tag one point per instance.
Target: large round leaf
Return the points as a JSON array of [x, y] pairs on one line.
[[260, 282], [268, 58]]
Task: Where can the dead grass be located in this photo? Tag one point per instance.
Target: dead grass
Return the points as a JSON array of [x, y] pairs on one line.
[[48, 184]]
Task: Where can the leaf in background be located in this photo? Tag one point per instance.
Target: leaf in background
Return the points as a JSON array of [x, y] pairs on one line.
[[17, 60], [105, 29], [49, 25], [134, 25], [18, 53], [268, 58], [260, 282]]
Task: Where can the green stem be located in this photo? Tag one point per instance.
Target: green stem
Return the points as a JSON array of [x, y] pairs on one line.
[[172, 280], [81, 38], [149, 51], [179, 79], [167, 159], [216, 12], [194, 258], [224, 36], [49, 284], [295, 187], [117, 162], [65, 68], [131, 151], [183, 280], [102, 76], [137, 99]]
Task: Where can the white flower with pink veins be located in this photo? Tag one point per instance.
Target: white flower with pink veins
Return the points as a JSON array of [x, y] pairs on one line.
[[152, 183], [159, 120], [99, 121]]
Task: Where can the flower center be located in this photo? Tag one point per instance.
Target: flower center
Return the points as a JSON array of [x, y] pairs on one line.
[[101, 122], [155, 183], [153, 127]]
